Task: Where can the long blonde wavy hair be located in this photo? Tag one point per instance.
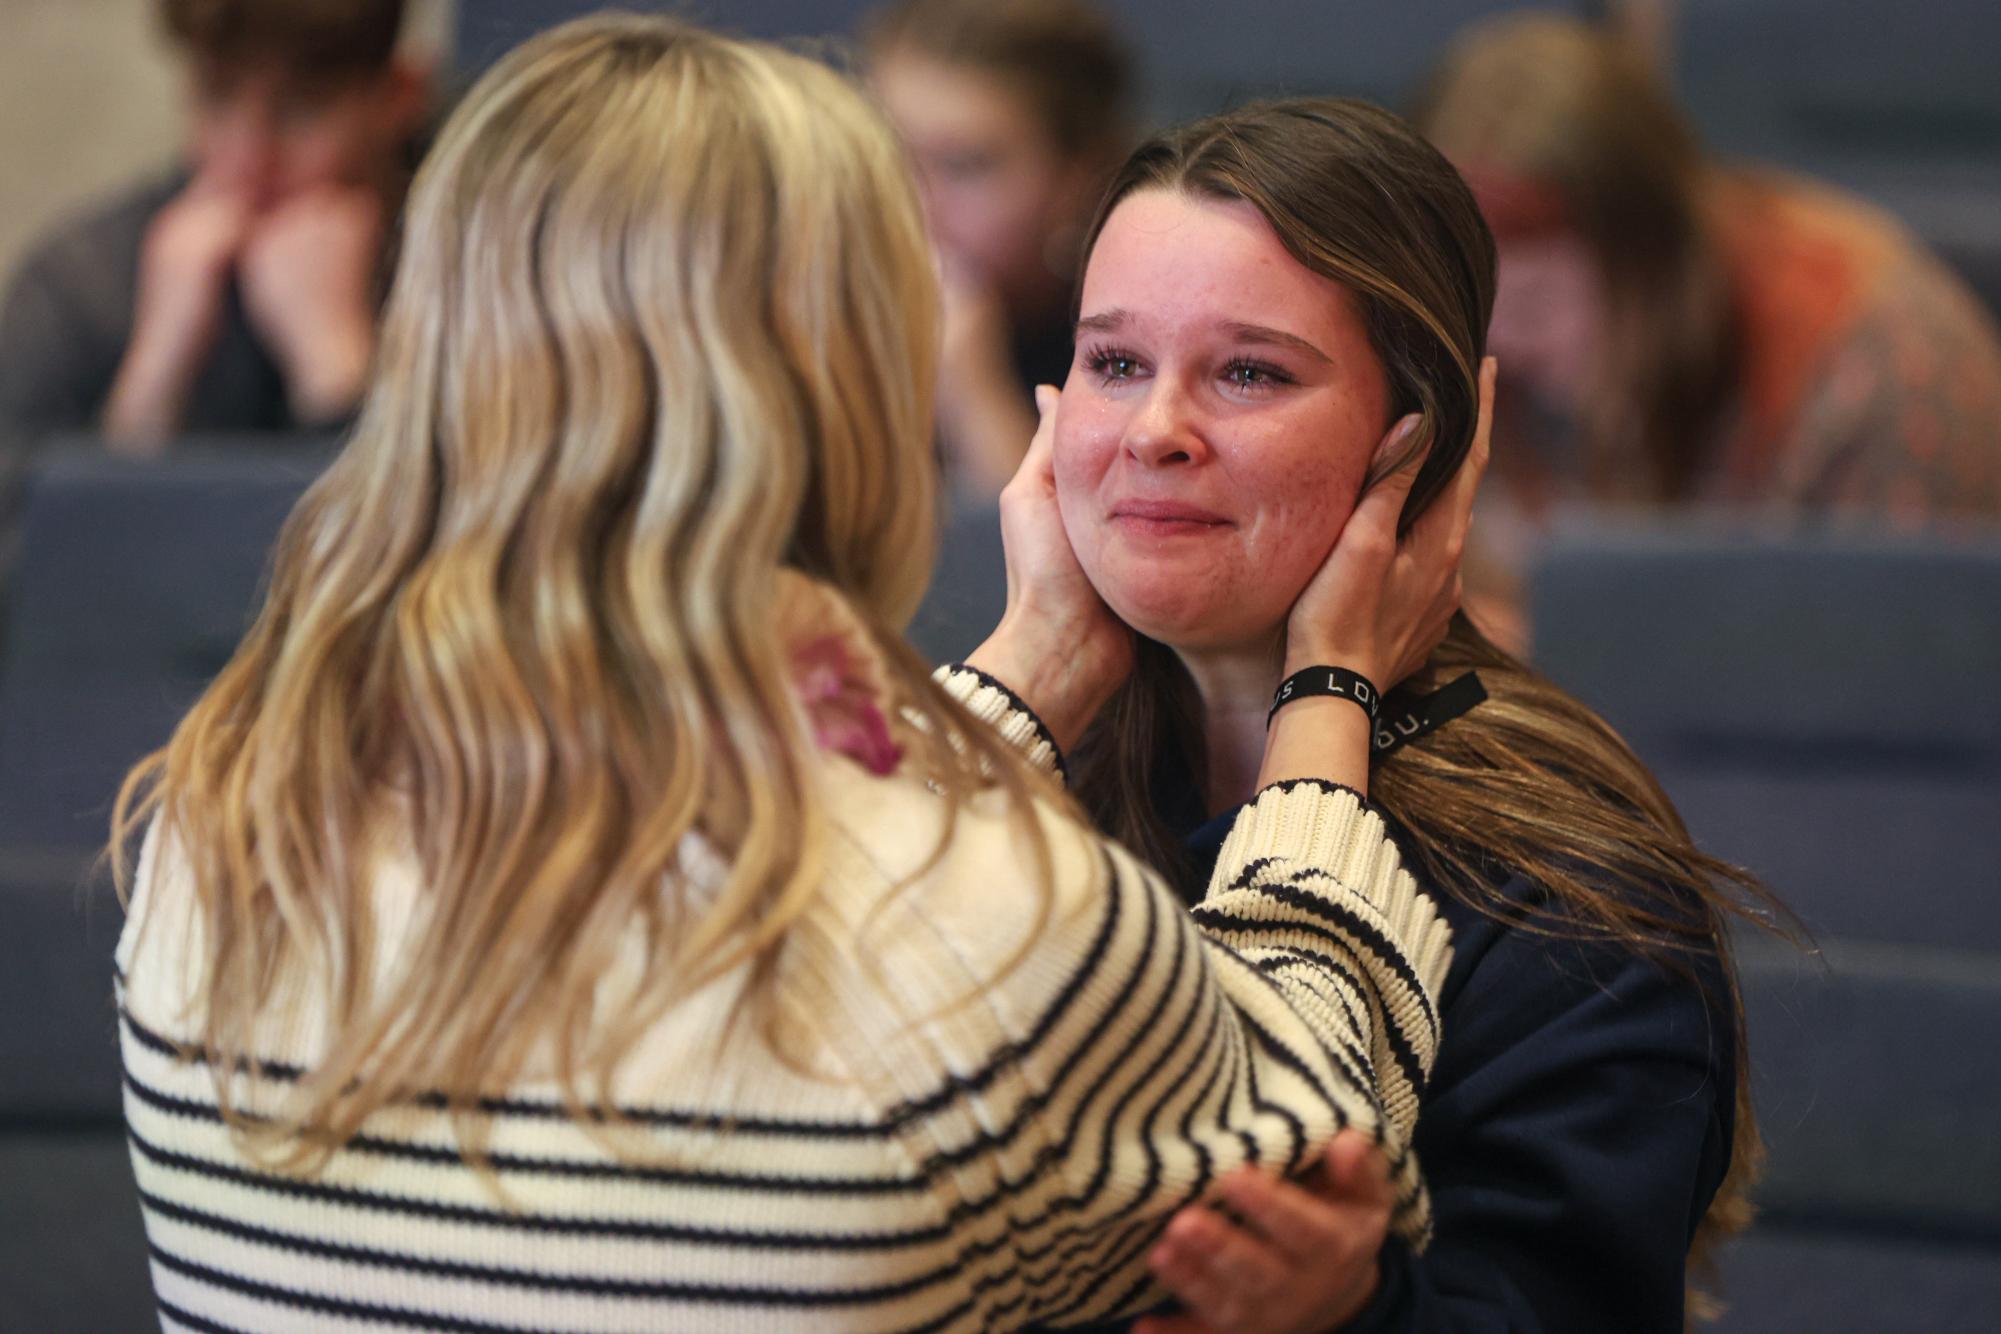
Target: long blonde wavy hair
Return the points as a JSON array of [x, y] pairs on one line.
[[660, 342]]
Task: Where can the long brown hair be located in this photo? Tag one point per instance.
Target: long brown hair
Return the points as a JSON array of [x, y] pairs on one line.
[[658, 354], [1531, 780], [1582, 114]]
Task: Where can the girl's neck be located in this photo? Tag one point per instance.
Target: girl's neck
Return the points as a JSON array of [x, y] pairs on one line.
[[1236, 686]]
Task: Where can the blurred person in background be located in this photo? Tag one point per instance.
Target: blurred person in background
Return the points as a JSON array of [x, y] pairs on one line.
[[1682, 331], [239, 293], [1015, 112]]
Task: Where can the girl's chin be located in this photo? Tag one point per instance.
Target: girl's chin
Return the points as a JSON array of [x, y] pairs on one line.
[[1184, 623]]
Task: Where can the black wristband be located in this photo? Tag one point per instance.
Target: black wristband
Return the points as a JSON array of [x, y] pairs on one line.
[[1338, 682]]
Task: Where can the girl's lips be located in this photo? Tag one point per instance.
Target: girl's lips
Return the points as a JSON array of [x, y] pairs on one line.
[[1165, 516], [1160, 530]]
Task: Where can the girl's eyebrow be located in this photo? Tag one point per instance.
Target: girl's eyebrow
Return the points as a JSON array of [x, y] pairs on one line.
[[1261, 333], [1115, 319]]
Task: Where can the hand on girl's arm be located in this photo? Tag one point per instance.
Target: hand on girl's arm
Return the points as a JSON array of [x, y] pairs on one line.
[[1300, 1261]]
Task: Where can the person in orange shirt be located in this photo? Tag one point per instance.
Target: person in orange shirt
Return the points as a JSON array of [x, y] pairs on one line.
[[1679, 330]]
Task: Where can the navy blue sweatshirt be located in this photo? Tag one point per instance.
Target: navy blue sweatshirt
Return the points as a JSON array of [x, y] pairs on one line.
[[1574, 1131]]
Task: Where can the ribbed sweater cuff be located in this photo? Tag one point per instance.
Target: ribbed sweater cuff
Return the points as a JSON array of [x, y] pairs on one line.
[[1306, 822], [1006, 712]]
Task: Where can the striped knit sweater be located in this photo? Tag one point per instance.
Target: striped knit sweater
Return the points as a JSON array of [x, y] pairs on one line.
[[976, 1166]]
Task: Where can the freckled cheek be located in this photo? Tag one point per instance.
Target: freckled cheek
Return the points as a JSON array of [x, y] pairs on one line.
[[1081, 458], [1303, 505]]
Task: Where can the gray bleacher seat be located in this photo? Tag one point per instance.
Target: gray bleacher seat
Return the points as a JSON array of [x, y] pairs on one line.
[[1779, 78], [1267, 47], [1977, 260], [1952, 205], [1899, 109], [968, 589], [1778, 1281], [1847, 676], [72, 1246], [133, 583], [1821, 706]]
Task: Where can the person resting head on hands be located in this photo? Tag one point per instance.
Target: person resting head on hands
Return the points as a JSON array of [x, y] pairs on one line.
[[1281, 327], [239, 293]]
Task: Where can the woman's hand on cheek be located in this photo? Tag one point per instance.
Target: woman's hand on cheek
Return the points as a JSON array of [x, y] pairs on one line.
[[1058, 645], [1302, 1260], [1379, 606]]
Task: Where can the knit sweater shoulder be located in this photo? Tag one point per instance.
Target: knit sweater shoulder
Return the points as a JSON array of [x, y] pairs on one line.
[[967, 1145]]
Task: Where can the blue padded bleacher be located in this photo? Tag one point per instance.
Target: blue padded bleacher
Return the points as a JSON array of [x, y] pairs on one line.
[[1821, 706], [133, 583], [1853, 78], [1272, 47], [72, 1247], [1953, 207], [968, 589]]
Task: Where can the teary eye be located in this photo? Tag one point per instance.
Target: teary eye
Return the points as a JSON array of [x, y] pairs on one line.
[[1246, 374], [1112, 365]]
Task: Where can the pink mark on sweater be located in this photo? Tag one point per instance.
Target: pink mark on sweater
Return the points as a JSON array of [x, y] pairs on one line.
[[842, 706]]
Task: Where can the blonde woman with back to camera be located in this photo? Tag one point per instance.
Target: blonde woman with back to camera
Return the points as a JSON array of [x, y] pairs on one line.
[[574, 908]]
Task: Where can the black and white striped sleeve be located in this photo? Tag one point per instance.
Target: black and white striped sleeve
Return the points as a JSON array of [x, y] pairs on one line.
[[1309, 892], [1180, 1047], [995, 704]]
